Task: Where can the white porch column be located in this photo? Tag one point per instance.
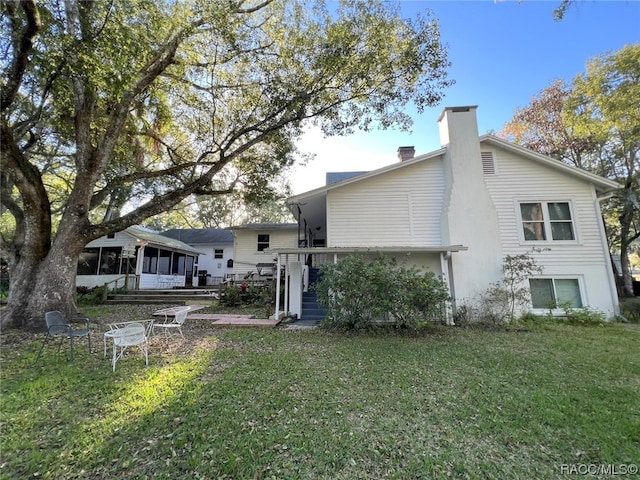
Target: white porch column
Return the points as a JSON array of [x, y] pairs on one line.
[[277, 293], [286, 284], [295, 291]]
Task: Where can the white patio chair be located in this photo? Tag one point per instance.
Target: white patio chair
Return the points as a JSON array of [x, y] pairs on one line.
[[133, 335], [172, 324]]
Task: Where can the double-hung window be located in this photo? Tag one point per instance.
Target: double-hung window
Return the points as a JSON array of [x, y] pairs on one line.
[[263, 242], [551, 293], [547, 221]]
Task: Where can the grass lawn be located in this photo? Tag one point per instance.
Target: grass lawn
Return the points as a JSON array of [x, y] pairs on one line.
[[271, 403]]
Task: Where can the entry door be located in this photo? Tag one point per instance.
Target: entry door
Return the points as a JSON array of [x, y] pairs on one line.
[[188, 281]]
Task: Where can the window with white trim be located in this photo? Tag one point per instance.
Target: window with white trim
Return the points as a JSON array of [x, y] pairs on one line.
[[551, 293], [218, 253], [263, 241], [547, 221]]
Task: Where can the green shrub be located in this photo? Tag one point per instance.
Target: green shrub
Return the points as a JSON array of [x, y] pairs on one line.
[[630, 309], [583, 316], [89, 295], [231, 296], [500, 303], [359, 294]]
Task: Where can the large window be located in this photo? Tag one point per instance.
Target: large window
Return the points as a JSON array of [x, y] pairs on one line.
[[263, 241], [549, 293], [542, 221]]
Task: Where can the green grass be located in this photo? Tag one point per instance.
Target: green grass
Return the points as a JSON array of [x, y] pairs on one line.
[[257, 403]]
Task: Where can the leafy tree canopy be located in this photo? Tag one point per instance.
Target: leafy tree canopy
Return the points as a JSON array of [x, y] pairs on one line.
[[148, 103], [594, 124]]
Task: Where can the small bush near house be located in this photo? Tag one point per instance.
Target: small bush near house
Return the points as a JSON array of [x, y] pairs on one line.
[[500, 302], [359, 294], [89, 295], [630, 309], [584, 316], [230, 296]]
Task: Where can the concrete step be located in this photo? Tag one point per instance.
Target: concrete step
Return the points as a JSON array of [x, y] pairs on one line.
[[179, 297]]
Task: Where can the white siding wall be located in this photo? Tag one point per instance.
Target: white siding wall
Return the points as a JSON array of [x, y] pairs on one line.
[[208, 262], [517, 180], [246, 253], [398, 208], [121, 239]]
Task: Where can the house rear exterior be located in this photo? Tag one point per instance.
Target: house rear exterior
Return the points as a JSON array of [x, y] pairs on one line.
[[215, 262], [252, 245], [459, 211]]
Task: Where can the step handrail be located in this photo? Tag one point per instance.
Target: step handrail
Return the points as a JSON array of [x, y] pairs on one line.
[[105, 290]]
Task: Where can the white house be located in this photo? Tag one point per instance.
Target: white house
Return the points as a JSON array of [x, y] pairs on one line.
[[458, 211], [215, 245], [138, 258], [251, 242]]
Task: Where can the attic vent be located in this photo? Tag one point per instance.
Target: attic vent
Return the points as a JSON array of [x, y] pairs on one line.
[[488, 166]]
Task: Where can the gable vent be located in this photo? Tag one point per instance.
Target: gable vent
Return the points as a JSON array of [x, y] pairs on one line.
[[488, 165]]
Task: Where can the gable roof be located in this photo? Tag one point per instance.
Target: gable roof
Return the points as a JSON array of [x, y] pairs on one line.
[[199, 236], [333, 177], [160, 240], [602, 184], [265, 226], [365, 175]]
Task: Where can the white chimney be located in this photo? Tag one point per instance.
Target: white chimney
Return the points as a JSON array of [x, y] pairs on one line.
[[469, 215]]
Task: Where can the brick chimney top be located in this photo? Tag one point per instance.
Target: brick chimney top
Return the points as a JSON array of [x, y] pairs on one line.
[[406, 153]]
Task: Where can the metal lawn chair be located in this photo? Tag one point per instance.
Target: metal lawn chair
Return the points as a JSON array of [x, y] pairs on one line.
[[172, 325], [58, 326], [133, 335]]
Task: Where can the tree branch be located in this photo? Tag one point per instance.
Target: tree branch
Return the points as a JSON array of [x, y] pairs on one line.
[[22, 45]]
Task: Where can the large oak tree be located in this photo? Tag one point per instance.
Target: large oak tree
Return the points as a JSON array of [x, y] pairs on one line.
[[144, 103]]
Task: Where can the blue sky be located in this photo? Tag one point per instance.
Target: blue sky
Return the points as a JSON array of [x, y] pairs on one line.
[[502, 53]]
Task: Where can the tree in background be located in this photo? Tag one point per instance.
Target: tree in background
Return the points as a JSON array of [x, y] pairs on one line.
[[595, 124], [149, 103]]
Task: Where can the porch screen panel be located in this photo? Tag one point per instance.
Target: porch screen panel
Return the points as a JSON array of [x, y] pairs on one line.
[[179, 260], [164, 262], [110, 260], [150, 260], [88, 261], [129, 263]]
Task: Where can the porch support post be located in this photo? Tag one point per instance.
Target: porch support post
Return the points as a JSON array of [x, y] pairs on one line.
[[286, 284], [277, 313]]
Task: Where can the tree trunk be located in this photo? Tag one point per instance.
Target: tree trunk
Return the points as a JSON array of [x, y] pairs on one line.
[[40, 287], [626, 220], [627, 278]]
